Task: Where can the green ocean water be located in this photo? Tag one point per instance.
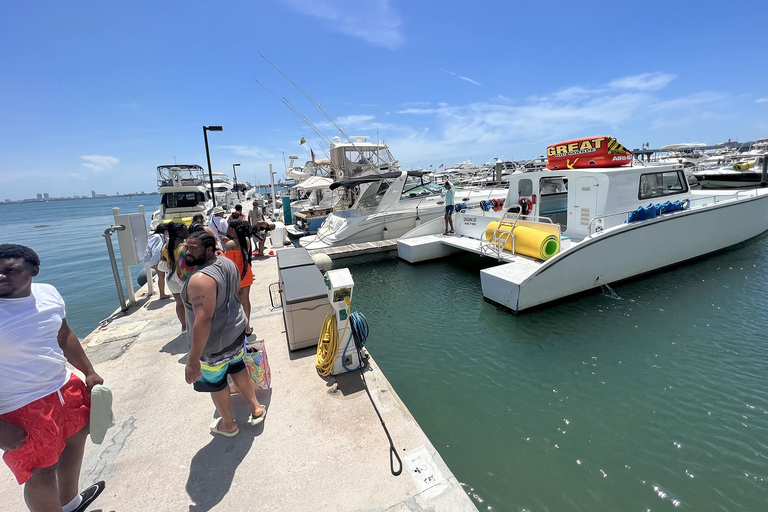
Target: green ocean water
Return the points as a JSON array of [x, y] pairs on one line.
[[649, 396]]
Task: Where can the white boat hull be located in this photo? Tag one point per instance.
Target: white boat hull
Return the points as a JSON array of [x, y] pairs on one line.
[[627, 251]]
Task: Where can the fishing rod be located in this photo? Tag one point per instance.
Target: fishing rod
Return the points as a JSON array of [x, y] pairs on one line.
[[295, 111], [320, 108]]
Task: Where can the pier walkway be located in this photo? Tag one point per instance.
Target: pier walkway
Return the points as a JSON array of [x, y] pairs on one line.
[[321, 446]]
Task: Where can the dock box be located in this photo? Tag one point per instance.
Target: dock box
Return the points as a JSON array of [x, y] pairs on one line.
[[305, 304], [289, 258]]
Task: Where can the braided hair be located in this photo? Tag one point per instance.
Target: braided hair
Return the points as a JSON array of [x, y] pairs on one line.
[[242, 230]]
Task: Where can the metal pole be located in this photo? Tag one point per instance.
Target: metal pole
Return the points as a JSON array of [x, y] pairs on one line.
[[108, 237], [234, 171], [208, 156], [272, 181], [764, 177]]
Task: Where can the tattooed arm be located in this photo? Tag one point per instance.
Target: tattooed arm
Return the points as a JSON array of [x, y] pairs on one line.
[[201, 294]]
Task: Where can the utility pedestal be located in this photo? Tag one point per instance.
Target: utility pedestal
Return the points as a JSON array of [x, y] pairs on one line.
[[340, 285]]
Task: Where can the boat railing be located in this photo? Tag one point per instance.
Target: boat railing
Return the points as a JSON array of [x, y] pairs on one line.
[[597, 224]]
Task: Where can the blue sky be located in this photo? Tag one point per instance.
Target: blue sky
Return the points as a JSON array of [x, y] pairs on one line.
[[96, 95]]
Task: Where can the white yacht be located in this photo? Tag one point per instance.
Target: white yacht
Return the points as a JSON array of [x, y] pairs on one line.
[[312, 197], [745, 171], [183, 193], [387, 205], [589, 227], [226, 196]]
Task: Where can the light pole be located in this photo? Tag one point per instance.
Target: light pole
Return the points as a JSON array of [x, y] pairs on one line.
[[207, 129], [234, 171]]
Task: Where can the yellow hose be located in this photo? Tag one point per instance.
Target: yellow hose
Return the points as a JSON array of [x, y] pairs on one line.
[[328, 343]]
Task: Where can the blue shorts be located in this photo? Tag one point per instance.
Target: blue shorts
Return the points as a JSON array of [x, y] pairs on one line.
[[449, 209]]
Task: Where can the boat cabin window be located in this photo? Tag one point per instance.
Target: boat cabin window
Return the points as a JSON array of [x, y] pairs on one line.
[[182, 199], [553, 199], [525, 188], [662, 184]]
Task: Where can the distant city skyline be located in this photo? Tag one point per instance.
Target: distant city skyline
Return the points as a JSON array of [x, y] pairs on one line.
[[45, 196]]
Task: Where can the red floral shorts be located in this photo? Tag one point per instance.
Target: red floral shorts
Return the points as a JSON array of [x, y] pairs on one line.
[[48, 422]]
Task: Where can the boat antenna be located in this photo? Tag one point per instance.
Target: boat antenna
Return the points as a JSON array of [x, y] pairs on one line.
[[319, 107]]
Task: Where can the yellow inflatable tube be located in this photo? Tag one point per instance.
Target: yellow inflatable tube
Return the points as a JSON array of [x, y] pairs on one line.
[[743, 166], [528, 241], [185, 220]]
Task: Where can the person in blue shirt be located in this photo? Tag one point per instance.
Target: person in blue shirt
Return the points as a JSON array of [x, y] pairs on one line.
[[448, 194]]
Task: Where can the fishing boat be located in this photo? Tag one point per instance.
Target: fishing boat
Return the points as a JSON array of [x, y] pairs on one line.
[[385, 206], [183, 193], [315, 200], [582, 226]]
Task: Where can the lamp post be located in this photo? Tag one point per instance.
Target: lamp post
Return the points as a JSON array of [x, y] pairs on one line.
[[207, 129], [234, 171]]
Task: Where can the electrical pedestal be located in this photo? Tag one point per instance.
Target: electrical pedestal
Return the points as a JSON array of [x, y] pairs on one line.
[[340, 285]]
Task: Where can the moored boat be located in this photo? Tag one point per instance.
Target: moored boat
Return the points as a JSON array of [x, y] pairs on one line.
[[183, 193], [385, 206], [572, 230]]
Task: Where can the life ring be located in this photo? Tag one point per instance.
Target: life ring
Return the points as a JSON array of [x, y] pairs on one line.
[[526, 205]]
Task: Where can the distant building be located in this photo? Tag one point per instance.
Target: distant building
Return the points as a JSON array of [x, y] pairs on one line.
[[46, 196], [93, 193], [39, 197]]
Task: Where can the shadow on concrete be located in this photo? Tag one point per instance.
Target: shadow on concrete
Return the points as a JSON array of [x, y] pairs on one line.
[[157, 303], [213, 467], [177, 345], [301, 353], [348, 383]]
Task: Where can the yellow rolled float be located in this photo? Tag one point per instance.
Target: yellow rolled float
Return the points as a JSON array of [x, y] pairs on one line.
[[528, 241], [743, 166], [184, 220]]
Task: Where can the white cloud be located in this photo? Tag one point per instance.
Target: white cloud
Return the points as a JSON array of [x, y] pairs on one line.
[[99, 163], [469, 80], [461, 77], [761, 100], [644, 82], [355, 120], [250, 151], [374, 21], [623, 106]]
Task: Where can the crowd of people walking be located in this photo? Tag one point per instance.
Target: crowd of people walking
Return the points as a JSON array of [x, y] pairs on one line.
[[46, 411]]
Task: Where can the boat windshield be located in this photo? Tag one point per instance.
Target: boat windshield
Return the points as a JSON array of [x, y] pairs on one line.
[[417, 188]]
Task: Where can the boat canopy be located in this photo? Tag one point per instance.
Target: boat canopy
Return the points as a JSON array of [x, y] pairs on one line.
[[314, 183], [353, 182]]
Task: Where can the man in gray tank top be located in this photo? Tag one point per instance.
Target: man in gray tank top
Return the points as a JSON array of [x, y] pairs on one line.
[[216, 330]]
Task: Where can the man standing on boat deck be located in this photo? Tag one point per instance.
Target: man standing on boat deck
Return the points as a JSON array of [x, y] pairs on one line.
[[216, 326], [44, 407], [448, 194]]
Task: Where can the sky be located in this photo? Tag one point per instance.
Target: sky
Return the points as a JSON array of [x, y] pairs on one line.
[[95, 95]]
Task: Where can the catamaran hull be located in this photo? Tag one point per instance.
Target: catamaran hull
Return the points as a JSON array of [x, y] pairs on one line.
[[627, 251]]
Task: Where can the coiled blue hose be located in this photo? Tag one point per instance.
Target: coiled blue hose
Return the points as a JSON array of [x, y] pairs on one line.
[[359, 326]]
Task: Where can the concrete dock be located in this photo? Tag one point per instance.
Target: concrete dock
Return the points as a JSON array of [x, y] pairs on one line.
[[321, 446]]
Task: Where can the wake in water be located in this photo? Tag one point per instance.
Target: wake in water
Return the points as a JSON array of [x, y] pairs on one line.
[[607, 290]]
